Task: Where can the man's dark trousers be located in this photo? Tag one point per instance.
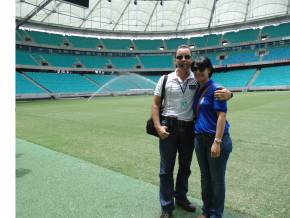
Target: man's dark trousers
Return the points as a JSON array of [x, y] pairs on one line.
[[181, 141]]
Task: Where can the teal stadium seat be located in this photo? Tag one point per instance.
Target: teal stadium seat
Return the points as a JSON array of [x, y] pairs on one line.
[[282, 30], [153, 78], [234, 79], [124, 62], [273, 76], [236, 57], [47, 38], [117, 44], [21, 35], [99, 62], [242, 36], [157, 61], [83, 42], [24, 57], [60, 60], [101, 80], [205, 41], [172, 44], [146, 44], [63, 83], [24, 86], [281, 53]]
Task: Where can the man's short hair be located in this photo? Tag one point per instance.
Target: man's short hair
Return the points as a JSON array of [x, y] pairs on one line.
[[183, 47]]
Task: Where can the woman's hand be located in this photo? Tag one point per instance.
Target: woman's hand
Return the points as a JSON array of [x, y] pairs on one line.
[[215, 149]]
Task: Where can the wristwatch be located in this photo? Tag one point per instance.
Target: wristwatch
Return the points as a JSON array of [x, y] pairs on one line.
[[218, 140]]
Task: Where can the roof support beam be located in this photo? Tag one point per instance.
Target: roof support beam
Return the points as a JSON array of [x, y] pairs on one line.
[[51, 12], [181, 13], [33, 12], [122, 14], [288, 7], [211, 14], [89, 14], [150, 18], [247, 10]]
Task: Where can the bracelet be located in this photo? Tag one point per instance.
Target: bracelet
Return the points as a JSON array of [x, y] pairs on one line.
[[217, 140]]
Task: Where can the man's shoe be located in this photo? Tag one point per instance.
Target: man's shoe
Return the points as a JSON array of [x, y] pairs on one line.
[[185, 205], [166, 214]]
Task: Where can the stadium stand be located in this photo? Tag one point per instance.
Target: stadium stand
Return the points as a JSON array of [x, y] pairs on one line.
[[282, 30], [46, 38], [60, 83], [148, 44], [23, 57], [277, 53], [124, 62], [205, 41], [273, 76], [157, 61], [83, 42], [247, 35], [172, 44], [234, 79], [117, 44], [24, 86], [93, 61]]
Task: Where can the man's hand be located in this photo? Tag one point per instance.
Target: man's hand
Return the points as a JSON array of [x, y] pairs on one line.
[[162, 132], [222, 94]]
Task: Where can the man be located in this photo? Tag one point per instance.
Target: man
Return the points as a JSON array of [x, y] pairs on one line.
[[176, 131]]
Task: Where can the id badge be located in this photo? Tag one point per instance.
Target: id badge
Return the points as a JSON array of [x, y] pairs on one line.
[[183, 104], [193, 86]]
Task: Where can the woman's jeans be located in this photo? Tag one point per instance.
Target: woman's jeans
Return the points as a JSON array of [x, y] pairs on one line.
[[213, 172]]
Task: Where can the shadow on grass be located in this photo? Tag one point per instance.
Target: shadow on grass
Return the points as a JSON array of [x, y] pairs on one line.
[[22, 172]]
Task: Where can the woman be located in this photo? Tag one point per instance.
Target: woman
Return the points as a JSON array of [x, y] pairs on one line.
[[212, 141]]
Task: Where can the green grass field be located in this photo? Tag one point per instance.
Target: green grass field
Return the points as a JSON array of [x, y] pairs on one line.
[[110, 132]]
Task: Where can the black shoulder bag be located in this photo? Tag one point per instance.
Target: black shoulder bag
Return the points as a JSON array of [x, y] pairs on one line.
[[150, 128]]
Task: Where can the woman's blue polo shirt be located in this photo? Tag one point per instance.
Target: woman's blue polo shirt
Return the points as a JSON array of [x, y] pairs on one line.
[[206, 119]]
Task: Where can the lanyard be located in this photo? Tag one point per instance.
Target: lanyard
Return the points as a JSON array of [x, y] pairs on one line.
[[183, 90]]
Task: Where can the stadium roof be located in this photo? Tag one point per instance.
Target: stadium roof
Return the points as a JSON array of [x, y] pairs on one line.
[[150, 16]]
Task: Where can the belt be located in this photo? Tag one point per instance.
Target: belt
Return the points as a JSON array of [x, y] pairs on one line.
[[173, 121]]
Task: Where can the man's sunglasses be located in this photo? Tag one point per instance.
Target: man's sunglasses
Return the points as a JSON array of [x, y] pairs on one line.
[[180, 57]]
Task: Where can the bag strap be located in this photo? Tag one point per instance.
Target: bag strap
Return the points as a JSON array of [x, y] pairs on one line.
[[162, 92], [199, 100]]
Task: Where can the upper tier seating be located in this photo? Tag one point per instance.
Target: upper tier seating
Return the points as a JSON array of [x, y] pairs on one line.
[[83, 42], [241, 36], [146, 44], [47, 38], [205, 41], [117, 44], [282, 30], [172, 44]]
